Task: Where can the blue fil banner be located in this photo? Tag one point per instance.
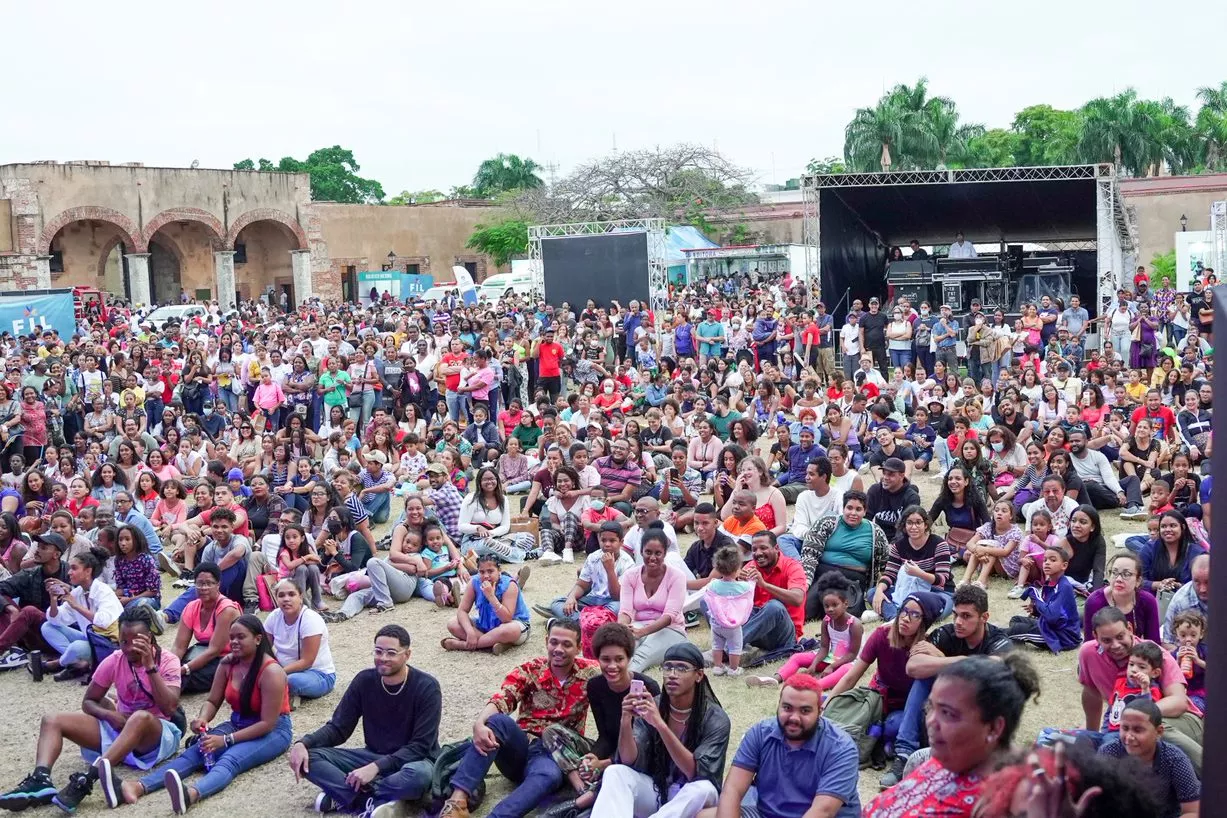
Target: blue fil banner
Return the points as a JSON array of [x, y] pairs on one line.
[[20, 314]]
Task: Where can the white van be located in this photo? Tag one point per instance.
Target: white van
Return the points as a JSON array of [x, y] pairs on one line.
[[494, 287]]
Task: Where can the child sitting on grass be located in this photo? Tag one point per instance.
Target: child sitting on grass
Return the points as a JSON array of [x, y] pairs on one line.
[[1189, 628], [1052, 610], [839, 640], [1031, 551], [729, 603], [996, 547], [1140, 679]]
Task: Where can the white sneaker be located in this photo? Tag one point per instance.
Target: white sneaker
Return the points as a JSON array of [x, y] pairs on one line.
[[549, 558], [1016, 592], [870, 616], [568, 555], [735, 671], [12, 658], [719, 670], [762, 681]]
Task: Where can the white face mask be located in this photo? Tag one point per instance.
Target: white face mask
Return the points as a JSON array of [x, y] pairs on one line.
[[609, 390]]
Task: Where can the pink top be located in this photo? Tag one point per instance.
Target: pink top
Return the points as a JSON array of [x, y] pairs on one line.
[[269, 396], [668, 599], [164, 513]]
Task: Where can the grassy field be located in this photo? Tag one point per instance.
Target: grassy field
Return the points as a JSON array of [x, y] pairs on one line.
[[467, 681]]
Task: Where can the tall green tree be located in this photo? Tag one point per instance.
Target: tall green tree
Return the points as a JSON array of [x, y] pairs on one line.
[[506, 172], [908, 129], [334, 175], [501, 240], [1116, 129], [1047, 136], [1211, 127], [996, 148], [406, 197]]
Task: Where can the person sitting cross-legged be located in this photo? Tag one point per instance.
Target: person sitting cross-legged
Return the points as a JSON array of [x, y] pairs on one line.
[[400, 707], [502, 619], [137, 728], [550, 689]]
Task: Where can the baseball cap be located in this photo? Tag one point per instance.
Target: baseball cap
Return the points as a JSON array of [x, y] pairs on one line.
[[53, 539], [807, 428], [893, 464], [378, 457], [436, 468]]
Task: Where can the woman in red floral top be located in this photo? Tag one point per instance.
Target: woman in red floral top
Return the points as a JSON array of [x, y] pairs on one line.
[[972, 714]]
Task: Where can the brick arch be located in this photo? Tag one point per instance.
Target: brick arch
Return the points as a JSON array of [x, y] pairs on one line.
[[117, 241], [131, 235], [186, 214], [266, 214]]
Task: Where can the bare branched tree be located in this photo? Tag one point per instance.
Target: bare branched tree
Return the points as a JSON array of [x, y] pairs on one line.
[[669, 182]]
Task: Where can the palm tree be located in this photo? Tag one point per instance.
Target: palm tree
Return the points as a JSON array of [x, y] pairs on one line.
[[899, 131], [506, 172], [1212, 126], [1116, 130], [950, 138], [872, 133]]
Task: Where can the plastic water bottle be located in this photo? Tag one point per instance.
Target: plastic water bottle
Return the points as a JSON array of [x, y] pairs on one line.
[[209, 758]]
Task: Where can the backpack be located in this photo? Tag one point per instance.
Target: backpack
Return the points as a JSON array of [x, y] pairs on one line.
[[859, 712], [446, 763]]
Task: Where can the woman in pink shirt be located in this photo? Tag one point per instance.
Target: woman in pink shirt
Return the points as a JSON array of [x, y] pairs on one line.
[[268, 398], [651, 604]]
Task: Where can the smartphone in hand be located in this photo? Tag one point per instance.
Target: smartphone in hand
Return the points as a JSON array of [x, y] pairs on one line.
[[637, 687]]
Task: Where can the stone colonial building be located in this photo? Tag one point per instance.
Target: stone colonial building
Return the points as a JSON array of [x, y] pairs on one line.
[[148, 233]]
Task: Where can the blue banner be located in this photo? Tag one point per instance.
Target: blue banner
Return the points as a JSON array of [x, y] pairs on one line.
[[401, 286], [414, 285], [20, 314]]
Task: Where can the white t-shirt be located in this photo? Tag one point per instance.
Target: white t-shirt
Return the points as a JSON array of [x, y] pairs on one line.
[[849, 339], [287, 639], [594, 572], [634, 537]]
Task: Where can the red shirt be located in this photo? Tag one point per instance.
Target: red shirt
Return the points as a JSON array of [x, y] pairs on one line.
[[550, 358], [453, 359], [787, 573], [1161, 420]]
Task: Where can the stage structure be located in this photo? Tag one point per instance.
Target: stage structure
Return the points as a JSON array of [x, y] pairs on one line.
[[610, 237], [1075, 213], [1218, 237]]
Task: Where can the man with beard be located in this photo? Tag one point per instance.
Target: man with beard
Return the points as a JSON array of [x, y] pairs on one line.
[[817, 501], [550, 689], [620, 475], [1099, 478], [888, 498], [671, 749], [792, 482], [400, 708], [25, 596], [800, 762], [873, 334], [778, 616], [969, 635]]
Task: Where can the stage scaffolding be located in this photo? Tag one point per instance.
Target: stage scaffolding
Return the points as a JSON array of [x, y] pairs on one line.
[[1218, 237], [1113, 239], [658, 265]]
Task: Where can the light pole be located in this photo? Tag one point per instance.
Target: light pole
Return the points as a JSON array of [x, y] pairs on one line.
[[1184, 223]]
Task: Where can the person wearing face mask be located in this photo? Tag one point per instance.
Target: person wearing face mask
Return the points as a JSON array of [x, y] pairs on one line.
[[922, 337], [946, 336]]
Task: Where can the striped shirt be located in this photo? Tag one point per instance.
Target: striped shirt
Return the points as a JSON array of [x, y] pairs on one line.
[[616, 477], [447, 508]]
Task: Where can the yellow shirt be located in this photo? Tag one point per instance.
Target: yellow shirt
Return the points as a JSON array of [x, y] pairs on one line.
[[1137, 391]]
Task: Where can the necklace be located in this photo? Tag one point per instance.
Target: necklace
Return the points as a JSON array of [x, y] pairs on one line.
[[384, 684]]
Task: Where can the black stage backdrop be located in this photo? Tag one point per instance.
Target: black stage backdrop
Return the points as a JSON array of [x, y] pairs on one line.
[[853, 259], [603, 268]]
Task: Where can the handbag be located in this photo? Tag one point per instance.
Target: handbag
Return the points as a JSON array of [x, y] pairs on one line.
[[906, 585], [959, 537], [190, 390]]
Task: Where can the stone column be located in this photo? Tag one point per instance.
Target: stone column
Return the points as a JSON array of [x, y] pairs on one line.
[[301, 261], [223, 268], [138, 277], [42, 272]]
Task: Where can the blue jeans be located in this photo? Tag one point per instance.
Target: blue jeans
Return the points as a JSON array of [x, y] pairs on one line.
[[584, 601], [328, 767], [521, 759], [770, 627], [379, 506], [790, 546], [144, 602], [890, 610], [232, 587], [900, 357], [457, 404], [311, 684], [231, 761], [71, 644], [912, 723]]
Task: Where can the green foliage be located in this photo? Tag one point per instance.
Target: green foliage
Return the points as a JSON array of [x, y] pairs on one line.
[[334, 175], [1162, 265], [1047, 136], [500, 241], [505, 172], [832, 164], [997, 148], [406, 197]]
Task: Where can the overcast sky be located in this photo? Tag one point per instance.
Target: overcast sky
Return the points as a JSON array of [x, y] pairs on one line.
[[423, 91]]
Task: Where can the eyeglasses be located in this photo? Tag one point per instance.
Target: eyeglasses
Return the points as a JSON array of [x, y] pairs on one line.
[[642, 510], [387, 653], [676, 668], [206, 584], [908, 613], [1122, 574]]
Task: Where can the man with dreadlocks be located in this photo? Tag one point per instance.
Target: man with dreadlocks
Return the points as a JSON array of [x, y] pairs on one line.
[[670, 750]]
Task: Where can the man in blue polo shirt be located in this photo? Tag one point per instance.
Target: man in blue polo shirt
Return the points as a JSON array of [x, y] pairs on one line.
[[799, 762]]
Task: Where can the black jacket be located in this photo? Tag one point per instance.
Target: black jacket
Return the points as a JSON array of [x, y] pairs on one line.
[[886, 508], [27, 587]]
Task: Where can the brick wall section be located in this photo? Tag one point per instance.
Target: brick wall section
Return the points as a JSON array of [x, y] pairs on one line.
[[186, 214], [91, 213], [267, 215]]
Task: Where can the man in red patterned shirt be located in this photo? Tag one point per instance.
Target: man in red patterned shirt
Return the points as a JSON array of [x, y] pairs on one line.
[[550, 689]]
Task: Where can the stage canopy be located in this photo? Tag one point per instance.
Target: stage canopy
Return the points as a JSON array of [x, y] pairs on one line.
[[853, 219]]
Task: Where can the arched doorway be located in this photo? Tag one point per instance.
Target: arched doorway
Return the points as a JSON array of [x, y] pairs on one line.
[[90, 253], [164, 272], [181, 258], [262, 260]]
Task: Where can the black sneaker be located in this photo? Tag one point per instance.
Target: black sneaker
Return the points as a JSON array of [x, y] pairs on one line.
[[895, 775], [177, 791], [250, 606], [111, 784], [79, 785], [324, 803], [35, 790]]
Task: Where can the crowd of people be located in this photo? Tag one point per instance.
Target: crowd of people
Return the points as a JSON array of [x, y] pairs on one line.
[[247, 463]]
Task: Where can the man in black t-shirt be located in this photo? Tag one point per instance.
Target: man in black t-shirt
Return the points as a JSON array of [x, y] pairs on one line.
[[970, 634], [400, 708], [873, 335], [581, 759], [709, 540]]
